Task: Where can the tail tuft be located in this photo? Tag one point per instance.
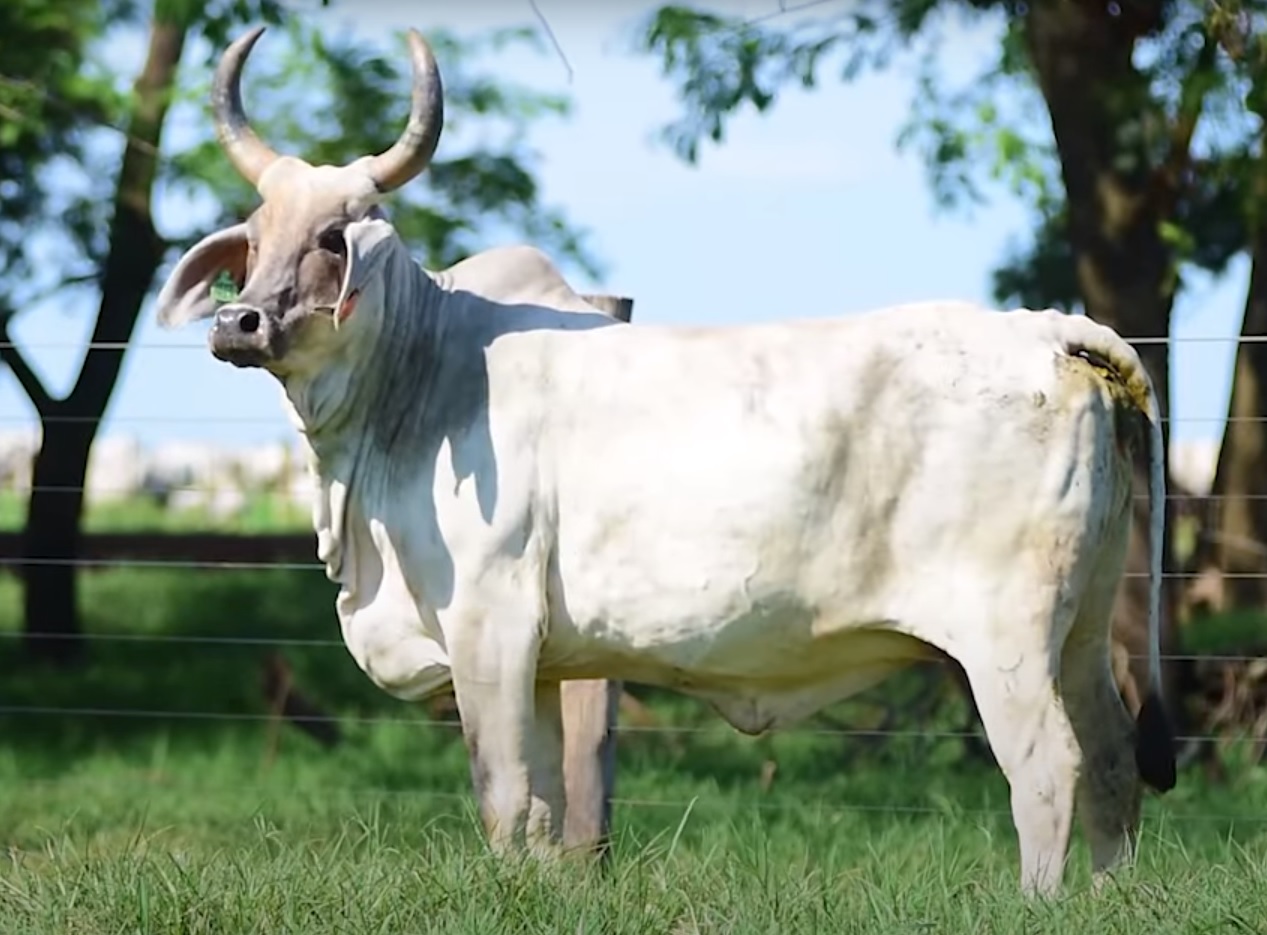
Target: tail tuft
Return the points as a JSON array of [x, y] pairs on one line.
[[1155, 744]]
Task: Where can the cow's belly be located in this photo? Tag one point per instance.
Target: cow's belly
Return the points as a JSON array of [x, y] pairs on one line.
[[759, 674], [708, 584], [722, 613]]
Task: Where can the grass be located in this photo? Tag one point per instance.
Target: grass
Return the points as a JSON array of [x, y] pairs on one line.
[[260, 513], [180, 823]]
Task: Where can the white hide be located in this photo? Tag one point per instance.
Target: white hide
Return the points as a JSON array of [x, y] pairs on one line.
[[515, 489], [769, 517], [699, 493]]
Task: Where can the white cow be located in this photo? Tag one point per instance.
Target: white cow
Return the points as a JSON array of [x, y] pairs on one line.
[[769, 517]]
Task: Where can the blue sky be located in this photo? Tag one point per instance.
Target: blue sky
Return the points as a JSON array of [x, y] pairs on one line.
[[805, 211]]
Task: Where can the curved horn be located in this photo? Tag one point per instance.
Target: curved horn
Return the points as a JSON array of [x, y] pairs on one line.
[[248, 153], [412, 153]]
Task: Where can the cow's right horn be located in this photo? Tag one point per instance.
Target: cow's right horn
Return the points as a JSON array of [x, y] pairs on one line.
[[410, 154], [248, 153]]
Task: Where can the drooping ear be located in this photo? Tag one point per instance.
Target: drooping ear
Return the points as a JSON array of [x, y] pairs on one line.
[[369, 243], [186, 296]]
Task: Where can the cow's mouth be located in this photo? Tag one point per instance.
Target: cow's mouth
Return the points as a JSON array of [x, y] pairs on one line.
[[242, 356]]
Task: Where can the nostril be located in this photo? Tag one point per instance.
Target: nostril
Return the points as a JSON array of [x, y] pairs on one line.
[[249, 321]]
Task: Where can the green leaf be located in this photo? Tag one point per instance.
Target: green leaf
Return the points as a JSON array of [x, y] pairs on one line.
[[1179, 238], [992, 131]]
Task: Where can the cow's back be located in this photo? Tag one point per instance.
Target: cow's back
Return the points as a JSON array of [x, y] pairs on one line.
[[515, 275]]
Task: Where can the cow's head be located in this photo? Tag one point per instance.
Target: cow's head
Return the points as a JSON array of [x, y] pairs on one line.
[[283, 283]]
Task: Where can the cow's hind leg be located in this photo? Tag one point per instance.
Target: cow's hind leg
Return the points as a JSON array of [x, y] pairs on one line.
[[1014, 684], [514, 734]]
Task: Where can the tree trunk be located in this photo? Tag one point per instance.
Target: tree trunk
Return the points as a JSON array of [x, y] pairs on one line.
[[70, 426], [1238, 546], [1083, 57], [1240, 482], [52, 541]]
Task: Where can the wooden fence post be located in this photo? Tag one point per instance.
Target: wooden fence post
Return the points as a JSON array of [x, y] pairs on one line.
[[589, 721]]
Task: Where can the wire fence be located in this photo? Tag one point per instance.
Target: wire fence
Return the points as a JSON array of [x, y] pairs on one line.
[[305, 487], [253, 796], [283, 642], [177, 418], [252, 793], [195, 346], [89, 714], [231, 565], [686, 730]]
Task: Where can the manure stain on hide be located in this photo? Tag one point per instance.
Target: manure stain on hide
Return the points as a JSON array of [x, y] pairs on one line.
[[1129, 398]]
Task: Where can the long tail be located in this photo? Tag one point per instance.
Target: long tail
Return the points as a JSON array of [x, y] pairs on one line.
[[1155, 742]]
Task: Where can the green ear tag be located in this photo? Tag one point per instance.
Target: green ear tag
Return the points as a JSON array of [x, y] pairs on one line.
[[224, 289]]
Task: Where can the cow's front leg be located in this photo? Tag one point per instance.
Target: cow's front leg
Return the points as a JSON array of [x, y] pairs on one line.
[[514, 734]]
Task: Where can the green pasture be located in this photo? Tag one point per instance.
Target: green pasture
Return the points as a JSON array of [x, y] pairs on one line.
[[262, 513], [137, 795]]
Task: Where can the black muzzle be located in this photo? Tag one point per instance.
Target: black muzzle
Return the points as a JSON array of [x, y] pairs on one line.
[[242, 336]]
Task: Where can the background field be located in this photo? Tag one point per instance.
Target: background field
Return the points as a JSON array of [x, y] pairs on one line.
[[150, 803]]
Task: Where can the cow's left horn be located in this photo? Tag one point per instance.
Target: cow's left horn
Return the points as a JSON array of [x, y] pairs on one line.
[[411, 153], [248, 153]]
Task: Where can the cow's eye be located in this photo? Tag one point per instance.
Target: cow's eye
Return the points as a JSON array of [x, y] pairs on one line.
[[332, 241]]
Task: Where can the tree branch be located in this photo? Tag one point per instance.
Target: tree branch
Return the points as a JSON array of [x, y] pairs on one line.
[[30, 383], [66, 282], [1191, 104], [136, 250]]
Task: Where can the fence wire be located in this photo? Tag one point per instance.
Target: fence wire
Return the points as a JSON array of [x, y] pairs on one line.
[[685, 730], [95, 714], [303, 488], [202, 347], [283, 642], [371, 794], [376, 794], [176, 418], [230, 565]]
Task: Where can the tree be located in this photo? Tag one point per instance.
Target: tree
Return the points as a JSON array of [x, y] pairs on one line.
[[1135, 176], [122, 264], [1238, 518], [325, 100]]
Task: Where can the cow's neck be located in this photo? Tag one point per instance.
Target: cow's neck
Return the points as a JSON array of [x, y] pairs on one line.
[[383, 377], [358, 418]]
